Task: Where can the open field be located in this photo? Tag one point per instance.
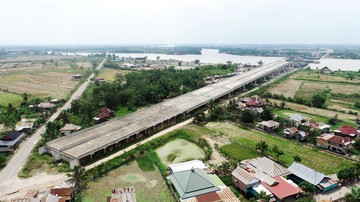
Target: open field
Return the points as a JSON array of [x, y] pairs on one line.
[[304, 84], [179, 150], [239, 151], [149, 185], [40, 76], [311, 157], [316, 111], [109, 74], [6, 98], [287, 88]]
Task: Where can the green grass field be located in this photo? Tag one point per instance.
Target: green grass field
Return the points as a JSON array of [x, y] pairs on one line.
[[312, 157], [145, 163], [239, 151], [6, 98]]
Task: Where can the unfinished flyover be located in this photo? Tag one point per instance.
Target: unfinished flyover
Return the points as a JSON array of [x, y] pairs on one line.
[[92, 142]]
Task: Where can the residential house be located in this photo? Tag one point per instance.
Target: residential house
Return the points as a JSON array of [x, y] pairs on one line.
[[317, 125], [302, 173], [195, 184], [290, 132], [253, 102], [9, 141], [104, 115], [334, 143], [100, 80], [25, 125], [325, 70], [262, 174], [126, 194], [346, 131], [46, 105], [268, 125], [301, 135], [298, 118], [69, 128], [59, 195]]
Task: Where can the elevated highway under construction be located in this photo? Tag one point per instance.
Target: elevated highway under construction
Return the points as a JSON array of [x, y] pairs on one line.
[[82, 146]]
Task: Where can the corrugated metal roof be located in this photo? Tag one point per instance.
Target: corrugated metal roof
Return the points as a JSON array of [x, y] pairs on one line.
[[306, 173], [188, 165], [268, 166], [244, 176]]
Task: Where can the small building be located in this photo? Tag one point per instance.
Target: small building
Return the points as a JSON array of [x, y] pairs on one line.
[[46, 105], [302, 173], [59, 195], [104, 115], [290, 132], [298, 118], [9, 141], [357, 120], [69, 128], [301, 135], [25, 125], [196, 185], [126, 194], [346, 131], [325, 70], [268, 125], [317, 125], [77, 76], [100, 80], [334, 143]]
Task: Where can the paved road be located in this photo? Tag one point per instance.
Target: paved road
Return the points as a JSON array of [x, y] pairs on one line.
[[9, 175]]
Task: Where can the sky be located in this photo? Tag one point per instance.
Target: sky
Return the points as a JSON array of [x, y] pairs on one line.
[[124, 22]]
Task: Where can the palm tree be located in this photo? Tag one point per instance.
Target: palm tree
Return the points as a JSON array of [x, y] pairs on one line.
[[80, 180], [278, 152], [263, 147], [263, 196]]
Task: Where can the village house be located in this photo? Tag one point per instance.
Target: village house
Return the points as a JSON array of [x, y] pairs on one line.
[[300, 173], [268, 125], [290, 132], [253, 102], [317, 125], [103, 115], [126, 194], [193, 182], [298, 119], [59, 195], [257, 175], [46, 105], [25, 125], [69, 128], [334, 143], [346, 131], [9, 141], [301, 135]]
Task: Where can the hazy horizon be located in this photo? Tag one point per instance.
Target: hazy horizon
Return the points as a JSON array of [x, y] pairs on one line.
[[179, 22]]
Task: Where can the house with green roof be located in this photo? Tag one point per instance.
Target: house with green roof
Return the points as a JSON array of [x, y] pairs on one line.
[[191, 183]]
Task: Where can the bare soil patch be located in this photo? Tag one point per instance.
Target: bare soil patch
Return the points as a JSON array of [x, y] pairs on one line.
[[287, 88]]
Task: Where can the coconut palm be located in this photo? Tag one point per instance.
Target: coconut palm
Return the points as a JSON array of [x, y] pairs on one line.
[[79, 178], [263, 147]]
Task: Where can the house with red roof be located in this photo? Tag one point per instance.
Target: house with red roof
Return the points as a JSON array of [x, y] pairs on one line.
[[346, 131], [104, 115], [334, 143], [257, 175]]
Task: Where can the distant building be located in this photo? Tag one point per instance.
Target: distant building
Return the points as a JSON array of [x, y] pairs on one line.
[[25, 125], [69, 128], [298, 118], [9, 141], [268, 125], [77, 76], [104, 115], [346, 131], [334, 143], [46, 105]]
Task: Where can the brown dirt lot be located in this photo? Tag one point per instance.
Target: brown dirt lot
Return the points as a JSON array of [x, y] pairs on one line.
[[287, 88], [335, 88], [36, 90], [322, 77]]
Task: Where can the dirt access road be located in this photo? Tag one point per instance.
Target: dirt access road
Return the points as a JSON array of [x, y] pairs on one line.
[[10, 182]]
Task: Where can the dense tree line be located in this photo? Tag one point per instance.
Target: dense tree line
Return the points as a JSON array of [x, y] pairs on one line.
[[141, 88]]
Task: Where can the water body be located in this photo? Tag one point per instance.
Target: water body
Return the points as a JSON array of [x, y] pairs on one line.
[[335, 64], [207, 56]]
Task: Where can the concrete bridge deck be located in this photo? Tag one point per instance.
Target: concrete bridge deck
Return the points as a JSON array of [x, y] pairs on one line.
[[99, 137]]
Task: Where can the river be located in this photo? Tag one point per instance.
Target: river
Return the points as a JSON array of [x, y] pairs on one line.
[[335, 64]]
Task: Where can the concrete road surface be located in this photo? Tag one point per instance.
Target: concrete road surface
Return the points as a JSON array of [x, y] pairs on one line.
[[9, 175]]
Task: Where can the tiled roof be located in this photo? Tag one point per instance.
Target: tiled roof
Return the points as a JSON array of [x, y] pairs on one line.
[[347, 130], [339, 140]]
